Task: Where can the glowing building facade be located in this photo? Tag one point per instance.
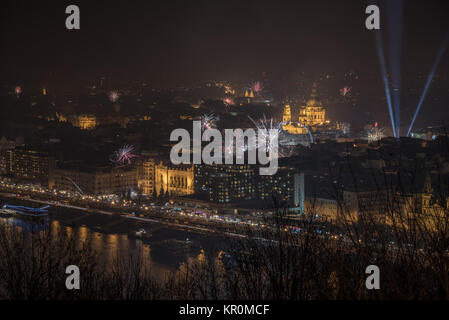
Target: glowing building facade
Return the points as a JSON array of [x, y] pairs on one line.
[[312, 115], [238, 184], [175, 180], [86, 122], [95, 180], [225, 183], [146, 179], [31, 165]]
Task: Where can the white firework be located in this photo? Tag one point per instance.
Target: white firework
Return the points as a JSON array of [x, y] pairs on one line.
[[269, 131], [114, 96], [229, 151], [209, 121], [374, 134]]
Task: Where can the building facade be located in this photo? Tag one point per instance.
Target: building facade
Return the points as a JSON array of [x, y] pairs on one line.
[[29, 165], [225, 183], [176, 180], [85, 122], [96, 181], [239, 184], [146, 176]]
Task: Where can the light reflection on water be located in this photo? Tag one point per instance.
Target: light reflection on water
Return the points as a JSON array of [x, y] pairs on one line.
[[107, 246]]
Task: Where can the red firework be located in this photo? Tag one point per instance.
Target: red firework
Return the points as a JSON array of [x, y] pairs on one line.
[[124, 155]]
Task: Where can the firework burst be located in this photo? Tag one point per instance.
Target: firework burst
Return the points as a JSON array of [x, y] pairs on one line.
[[346, 91], [233, 149], [123, 156], [114, 96], [257, 87], [209, 121], [374, 134], [228, 102], [269, 131]]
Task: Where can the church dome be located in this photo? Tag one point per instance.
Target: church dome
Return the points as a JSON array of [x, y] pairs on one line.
[[314, 101]]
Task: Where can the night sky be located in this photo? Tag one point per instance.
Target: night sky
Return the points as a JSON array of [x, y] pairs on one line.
[[172, 42]]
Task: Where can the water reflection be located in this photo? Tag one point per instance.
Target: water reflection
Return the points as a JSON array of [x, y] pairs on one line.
[[163, 249], [106, 246]]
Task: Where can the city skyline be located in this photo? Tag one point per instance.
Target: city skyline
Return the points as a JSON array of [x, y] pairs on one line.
[[287, 45]]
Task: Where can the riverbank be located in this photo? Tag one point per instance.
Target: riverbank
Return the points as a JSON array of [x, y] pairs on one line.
[[169, 244]]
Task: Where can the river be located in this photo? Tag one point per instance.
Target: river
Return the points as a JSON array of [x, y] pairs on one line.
[[163, 248]]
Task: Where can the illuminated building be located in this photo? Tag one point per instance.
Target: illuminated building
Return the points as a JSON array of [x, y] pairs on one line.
[[306, 124], [286, 186], [146, 180], [232, 184], [225, 183], [86, 122], [382, 203], [287, 116], [249, 94], [5, 145], [176, 180], [226, 86], [327, 209], [95, 180], [61, 117], [31, 165], [3, 163], [312, 115]]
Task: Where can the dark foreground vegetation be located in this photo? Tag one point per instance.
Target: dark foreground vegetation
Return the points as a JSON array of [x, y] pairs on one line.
[[267, 264]]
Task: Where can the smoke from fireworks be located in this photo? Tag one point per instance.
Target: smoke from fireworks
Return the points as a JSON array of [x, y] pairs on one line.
[[123, 156], [209, 121], [113, 96]]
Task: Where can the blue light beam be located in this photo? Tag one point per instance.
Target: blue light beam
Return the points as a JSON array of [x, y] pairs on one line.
[[381, 56], [394, 16], [308, 131], [429, 80]]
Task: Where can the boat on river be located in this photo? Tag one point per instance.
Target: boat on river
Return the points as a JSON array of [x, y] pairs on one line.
[[8, 210]]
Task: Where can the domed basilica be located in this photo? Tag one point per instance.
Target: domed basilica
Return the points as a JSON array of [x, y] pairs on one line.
[[311, 115]]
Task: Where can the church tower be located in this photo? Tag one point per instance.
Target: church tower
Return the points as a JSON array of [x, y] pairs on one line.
[[287, 116]]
